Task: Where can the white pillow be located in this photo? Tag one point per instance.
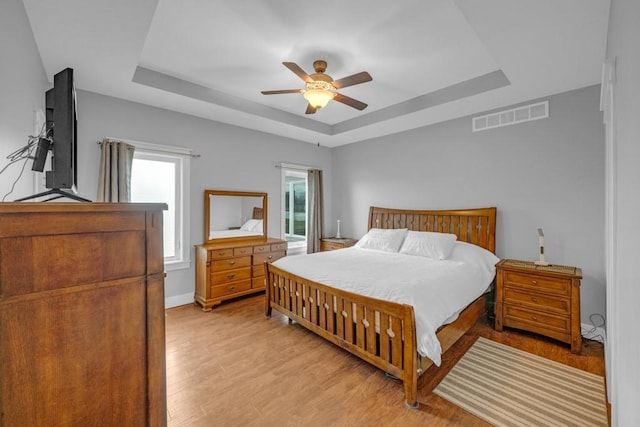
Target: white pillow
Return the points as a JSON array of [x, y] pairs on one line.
[[475, 255], [249, 225], [436, 246], [388, 240], [258, 227]]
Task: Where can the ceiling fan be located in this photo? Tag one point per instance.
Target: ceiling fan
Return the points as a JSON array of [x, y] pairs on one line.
[[320, 88]]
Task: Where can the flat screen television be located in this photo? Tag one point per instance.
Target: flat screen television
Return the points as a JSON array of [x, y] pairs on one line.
[[60, 139]]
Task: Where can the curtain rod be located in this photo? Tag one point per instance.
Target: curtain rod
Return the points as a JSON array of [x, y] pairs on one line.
[[294, 166], [154, 147]]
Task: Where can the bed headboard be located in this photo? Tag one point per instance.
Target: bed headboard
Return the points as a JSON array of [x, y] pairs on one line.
[[476, 226], [257, 213]]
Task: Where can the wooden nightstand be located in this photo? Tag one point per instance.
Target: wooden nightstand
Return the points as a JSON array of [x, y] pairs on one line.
[[333, 243], [540, 299]]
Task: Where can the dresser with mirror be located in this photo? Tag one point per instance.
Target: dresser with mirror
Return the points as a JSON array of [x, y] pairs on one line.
[[230, 262]]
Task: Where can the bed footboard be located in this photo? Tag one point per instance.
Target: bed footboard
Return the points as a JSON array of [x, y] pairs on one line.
[[382, 333]]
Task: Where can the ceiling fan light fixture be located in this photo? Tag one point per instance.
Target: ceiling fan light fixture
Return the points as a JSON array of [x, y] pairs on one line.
[[318, 93], [318, 98]]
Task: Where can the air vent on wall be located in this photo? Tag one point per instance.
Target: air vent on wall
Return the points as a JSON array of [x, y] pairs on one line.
[[526, 113]]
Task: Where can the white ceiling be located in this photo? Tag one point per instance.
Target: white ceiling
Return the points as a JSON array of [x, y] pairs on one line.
[[431, 60]]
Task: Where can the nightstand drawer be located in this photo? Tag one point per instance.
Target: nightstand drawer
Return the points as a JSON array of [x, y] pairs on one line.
[[559, 305], [538, 282], [536, 319], [333, 243], [327, 246]]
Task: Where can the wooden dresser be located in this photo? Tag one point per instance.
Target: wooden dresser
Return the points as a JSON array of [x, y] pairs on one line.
[[82, 314], [333, 243], [540, 299], [232, 269]]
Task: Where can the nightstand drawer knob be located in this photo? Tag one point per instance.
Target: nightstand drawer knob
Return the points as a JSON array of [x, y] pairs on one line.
[[534, 318], [534, 282], [534, 299]]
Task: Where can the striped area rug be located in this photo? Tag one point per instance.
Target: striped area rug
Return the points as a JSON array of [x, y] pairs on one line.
[[509, 387]]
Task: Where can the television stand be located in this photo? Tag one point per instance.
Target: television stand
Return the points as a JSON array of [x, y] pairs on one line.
[[57, 194]]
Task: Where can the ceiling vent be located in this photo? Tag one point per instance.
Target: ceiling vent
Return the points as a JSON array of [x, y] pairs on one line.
[[526, 113]]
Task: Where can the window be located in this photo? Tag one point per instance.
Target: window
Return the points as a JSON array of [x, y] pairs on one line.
[[294, 210], [161, 174]]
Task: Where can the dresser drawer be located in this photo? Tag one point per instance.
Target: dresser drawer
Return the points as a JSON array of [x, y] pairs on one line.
[[261, 249], [549, 303], [230, 288], [538, 282], [230, 275], [535, 319], [258, 283], [278, 247], [230, 263], [246, 250], [220, 253], [270, 257]]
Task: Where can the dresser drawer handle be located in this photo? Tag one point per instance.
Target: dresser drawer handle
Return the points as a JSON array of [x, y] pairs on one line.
[[230, 276], [221, 253], [270, 256], [534, 282], [534, 299], [243, 251], [231, 288], [232, 262], [261, 249], [534, 318]]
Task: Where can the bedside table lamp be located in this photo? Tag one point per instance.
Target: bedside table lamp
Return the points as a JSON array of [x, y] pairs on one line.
[[541, 243]]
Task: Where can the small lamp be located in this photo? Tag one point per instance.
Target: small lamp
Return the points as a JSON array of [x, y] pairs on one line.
[[541, 244]]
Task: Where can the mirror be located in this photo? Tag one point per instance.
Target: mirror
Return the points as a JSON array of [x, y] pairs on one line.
[[234, 215]]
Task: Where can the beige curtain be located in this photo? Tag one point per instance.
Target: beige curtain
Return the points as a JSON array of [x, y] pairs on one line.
[[114, 180], [316, 208]]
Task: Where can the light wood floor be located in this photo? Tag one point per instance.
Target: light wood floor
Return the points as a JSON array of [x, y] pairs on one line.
[[235, 367]]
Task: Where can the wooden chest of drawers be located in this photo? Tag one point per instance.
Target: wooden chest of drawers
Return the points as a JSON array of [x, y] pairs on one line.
[[540, 299], [333, 243], [229, 270], [82, 331]]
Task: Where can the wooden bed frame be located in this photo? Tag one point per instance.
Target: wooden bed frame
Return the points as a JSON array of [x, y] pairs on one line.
[[349, 320]]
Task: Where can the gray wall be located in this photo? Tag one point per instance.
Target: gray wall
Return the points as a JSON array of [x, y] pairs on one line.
[[22, 87], [231, 158], [547, 173], [624, 290]]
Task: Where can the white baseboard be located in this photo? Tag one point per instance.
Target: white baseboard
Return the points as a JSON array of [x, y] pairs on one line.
[[591, 332], [177, 300]]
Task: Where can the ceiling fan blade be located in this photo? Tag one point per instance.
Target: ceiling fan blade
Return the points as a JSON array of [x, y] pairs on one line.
[[298, 71], [351, 80], [277, 92], [310, 109], [350, 101]]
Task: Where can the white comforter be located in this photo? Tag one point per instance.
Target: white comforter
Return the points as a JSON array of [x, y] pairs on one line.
[[438, 290]]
